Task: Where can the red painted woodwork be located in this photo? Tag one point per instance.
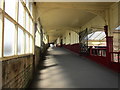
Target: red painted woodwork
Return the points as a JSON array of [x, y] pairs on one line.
[[106, 30], [74, 47], [106, 60], [98, 51], [103, 60], [109, 41], [115, 56]]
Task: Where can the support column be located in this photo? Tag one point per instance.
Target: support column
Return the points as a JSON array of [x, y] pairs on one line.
[[119, 24], [109, 43]]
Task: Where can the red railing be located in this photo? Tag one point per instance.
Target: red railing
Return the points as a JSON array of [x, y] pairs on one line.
[[115, 56], [98, 52]]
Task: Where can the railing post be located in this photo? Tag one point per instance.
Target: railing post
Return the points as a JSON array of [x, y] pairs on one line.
[[90, 51], [101, 52]]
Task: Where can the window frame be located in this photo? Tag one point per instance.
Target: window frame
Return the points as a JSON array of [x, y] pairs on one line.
[[1, 33], [3, 15]]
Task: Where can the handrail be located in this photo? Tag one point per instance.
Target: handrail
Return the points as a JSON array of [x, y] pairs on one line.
[[115, 52]]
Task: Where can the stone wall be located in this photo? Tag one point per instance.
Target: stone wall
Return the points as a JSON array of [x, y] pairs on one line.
[[0, 75], [37, 56], [17, 72]]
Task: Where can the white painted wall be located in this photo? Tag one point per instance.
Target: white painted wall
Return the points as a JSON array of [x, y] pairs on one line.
[[112, 15], [58, 41], [114, 23], [95, 22], [71, 38]]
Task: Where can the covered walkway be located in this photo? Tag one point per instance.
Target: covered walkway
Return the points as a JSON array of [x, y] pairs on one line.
[[82, 41], [64, 69]]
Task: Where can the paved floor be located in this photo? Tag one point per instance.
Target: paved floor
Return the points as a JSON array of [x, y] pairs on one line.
[[64, 69]]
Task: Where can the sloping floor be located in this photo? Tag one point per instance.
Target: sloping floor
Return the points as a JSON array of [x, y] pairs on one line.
[[64, 69]]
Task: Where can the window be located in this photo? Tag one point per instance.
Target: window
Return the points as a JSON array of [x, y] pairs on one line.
[[10, 7], [16, 39], [21, 14], [31, 8], [31, 27], [20, 41], [97, 38], [1, 3], [27, 43], [9, 30], [89, 35], [27, 3], [27, 22], [95, 35], [101, 36], [0, 35], [118, 28]]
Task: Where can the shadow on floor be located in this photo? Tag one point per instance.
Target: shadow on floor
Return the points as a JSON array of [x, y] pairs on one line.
[[63, 69], [40, 67]]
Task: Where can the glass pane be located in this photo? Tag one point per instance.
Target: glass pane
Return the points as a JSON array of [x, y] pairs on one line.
[[31, 26], [21, 14], [31, 8], [0, 3], [27, 21], [89, 36], [1, 35], [27, 43], [20, 41], [118, 28], [31, 44], [101, 36], [94, 35], [10, 7], [9, 30], [27, 3]]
